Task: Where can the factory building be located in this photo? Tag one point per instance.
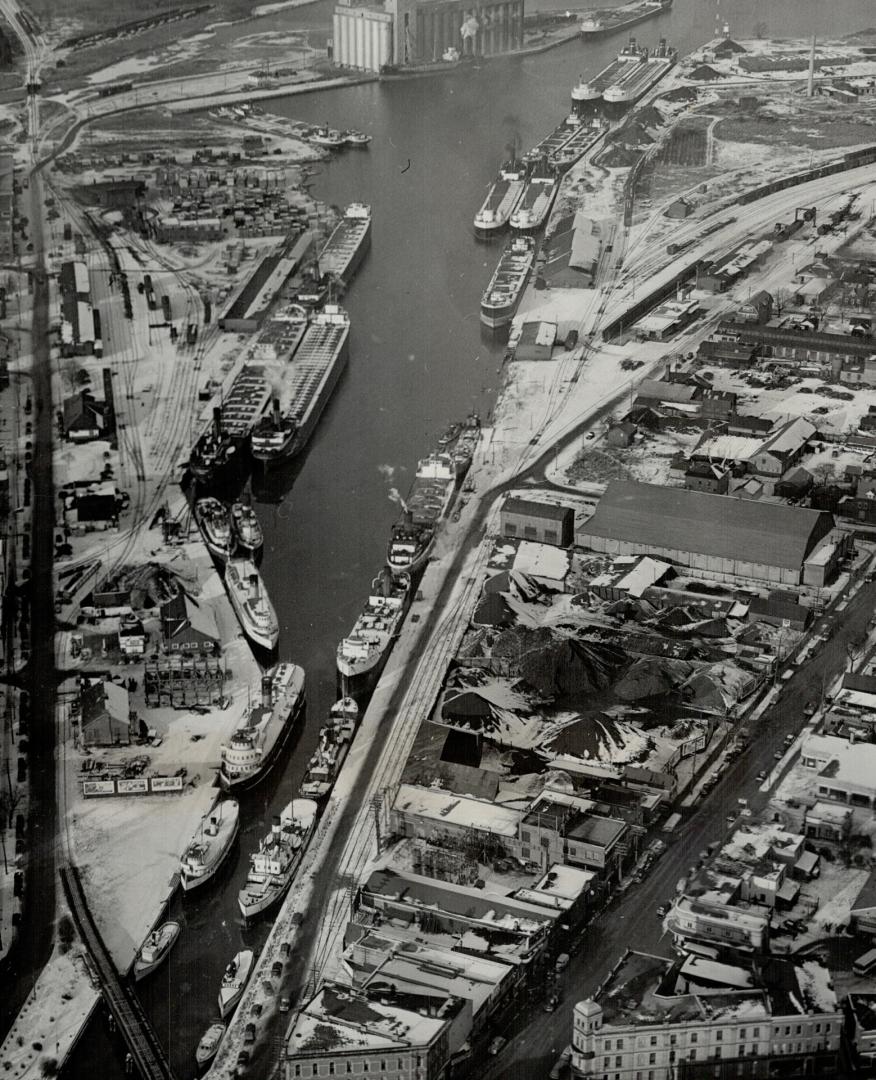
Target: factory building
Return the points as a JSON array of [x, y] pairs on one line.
[[545, 523], [715, 535], [410, 32]]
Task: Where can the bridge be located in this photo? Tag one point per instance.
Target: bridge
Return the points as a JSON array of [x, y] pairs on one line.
[[142, 1042]]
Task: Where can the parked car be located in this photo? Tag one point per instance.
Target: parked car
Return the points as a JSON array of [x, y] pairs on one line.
[[761, 776], [661, 911], [809, 708], [496, 1046], [562, 961]]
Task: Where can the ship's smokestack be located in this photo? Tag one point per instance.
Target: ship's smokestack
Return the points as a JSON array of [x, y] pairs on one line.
[[385, 586], [275, 825], [267, 691], [253, 586], [811, 83], [217, 421], [275, 411]]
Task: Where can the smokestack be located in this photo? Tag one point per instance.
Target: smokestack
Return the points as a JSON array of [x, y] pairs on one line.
[[217, 421], [275, 408], [275, 825], [253, 586], [810, 85], [267, 691]]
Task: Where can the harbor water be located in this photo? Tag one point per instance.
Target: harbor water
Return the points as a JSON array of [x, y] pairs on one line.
[[417, 361]]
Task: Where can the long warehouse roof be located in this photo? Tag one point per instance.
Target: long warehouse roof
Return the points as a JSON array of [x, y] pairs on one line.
[[769, 534]]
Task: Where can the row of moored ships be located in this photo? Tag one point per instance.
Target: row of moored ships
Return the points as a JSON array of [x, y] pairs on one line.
[[276, 423], [523, 194]]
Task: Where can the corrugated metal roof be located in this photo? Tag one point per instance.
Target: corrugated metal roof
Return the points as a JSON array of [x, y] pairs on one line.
[[770, 534]]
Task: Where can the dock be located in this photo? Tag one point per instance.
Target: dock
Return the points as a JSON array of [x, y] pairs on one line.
[[140, 1038]]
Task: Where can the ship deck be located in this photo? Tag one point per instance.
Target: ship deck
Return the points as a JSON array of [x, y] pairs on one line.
[[642, 76], [608, 75], [557, 139], [497, 195], [343, 244], [313, 361], [245, 401]]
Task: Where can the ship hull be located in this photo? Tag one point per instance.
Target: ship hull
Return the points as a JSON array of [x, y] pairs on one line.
[[251, 779], [417, 562], [623, 24], [269, 900], [491, 232], [497, 317]]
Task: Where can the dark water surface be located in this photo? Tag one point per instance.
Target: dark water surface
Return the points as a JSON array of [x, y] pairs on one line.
[[417, 360]]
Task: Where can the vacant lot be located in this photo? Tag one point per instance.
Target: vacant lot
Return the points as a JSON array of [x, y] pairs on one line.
[[817, 133]]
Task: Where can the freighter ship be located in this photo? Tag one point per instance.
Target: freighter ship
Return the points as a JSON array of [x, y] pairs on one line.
[[363, 652], [502, 198], [273, 865], [639, 77], [427, 503], [509, 279], [251, 602], [219, 444], [594, 24], [346, 247], [254, 747], [210, 847], [308, 383], [535, 204]]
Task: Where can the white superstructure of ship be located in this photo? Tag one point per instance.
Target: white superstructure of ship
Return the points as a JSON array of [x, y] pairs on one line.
[[251, 602], [214, 521], [246, 528], [273, 865], [253, 748]]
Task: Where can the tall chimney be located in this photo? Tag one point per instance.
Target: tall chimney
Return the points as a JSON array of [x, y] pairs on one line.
[[275, 411], [810, 84], [267, 691]]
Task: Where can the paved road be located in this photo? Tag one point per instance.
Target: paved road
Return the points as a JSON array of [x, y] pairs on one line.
[[631, 920]]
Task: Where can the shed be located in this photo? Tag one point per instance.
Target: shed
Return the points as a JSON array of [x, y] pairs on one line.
[[546, 523], [536, 341], [105, 717]]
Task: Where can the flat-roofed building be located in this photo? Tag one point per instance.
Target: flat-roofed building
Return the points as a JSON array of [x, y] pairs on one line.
[[697, 1019], [343, 1031], [845, 771], [720, 536], [546, 523]]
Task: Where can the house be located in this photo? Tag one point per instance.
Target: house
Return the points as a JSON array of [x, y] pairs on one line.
[[757, 309], [707, 476], [105, 716], [844, 770], [827, 821], [779, 610], [783, 449], [619, 436], [188, 626], [83, 417], [678, 210], [729, 354]]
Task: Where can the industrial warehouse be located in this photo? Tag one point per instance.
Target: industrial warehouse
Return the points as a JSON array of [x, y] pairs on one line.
[[717, 535]]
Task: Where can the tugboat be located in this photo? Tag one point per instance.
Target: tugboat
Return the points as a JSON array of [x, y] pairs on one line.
[[328, 137], [215, 525], [208, 1047], [246, 527], [466, 443], [234, 982], [334, 742], [155, 949], [356, 138]]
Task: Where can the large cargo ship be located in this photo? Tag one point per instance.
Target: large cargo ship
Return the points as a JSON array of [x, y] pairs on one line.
[[639, 77], [219, 445], [427, 504], [208, 850], [502, 295], [308, 383], [346, 247], [502, 198], [273, 865], [531, 213], [363, 652], [594, 24], [251, 602], [254, 747]]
